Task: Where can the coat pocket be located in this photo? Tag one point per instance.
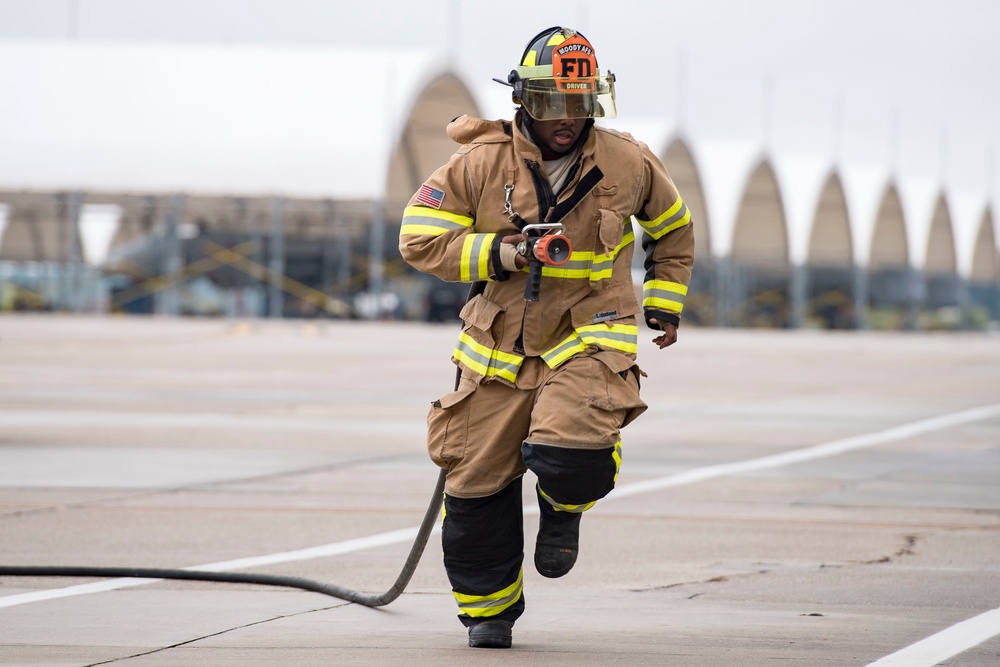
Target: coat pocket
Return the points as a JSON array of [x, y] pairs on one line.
[[482, 328], [610, 231], [448, 425], [621, 391], [480, 316]]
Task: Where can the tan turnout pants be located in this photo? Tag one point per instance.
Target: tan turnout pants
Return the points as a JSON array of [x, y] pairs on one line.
[[476, 432]]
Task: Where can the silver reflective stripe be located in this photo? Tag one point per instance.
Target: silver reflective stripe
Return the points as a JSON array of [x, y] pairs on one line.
[[664, 295], [588, 265], [603, 264], [470, 356], [577, 267], [676, 216], [486, 361], [423, 221], [479, 606], [615, 338], [475, 257], [563, 351]]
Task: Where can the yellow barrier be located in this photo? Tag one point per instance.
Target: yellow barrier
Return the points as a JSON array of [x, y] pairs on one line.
[[288, 285], [192, 270], [237, 258]]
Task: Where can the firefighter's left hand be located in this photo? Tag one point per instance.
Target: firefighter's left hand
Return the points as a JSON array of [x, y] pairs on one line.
[[669, 335], [506, 257]]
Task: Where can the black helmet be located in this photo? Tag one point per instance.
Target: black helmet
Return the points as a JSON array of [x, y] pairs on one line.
[[558, 77]]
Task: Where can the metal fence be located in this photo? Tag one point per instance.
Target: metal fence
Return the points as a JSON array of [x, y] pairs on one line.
[[278, 257]]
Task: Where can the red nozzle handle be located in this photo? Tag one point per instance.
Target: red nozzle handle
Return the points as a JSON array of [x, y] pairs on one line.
[[553, 249]]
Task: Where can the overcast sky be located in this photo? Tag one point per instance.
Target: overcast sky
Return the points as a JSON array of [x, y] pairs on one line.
[[911, 84]]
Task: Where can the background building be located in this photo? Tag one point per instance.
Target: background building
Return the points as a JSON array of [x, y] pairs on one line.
[[251, 180]]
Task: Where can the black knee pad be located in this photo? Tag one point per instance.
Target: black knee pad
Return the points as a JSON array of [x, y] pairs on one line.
[[573, 476]]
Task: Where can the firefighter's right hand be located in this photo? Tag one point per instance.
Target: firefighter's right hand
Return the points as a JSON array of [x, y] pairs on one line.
[[669, 335], [510, 258]]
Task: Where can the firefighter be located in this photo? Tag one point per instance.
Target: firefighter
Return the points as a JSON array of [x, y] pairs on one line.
[[547, 351]]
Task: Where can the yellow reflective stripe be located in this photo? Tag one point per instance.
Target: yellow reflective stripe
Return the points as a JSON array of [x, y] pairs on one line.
[[621, 337], [663, 295], [472, 354], [602, 270], [563, 272], [589, 265], [426, 221], [676, 216], [475, 263], [531, 57], [486, 361], [531, 71], [578, 266], [604, 264], [663, 304], [563, 351], [479, 606], [617, 456], [666, 286], [565, 507]]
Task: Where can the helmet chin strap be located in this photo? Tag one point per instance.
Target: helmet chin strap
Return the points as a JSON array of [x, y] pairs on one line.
[[528, 122]]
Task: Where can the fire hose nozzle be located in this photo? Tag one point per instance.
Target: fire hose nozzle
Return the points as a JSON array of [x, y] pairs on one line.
[[543, 243], [553, 250], [549, 247]]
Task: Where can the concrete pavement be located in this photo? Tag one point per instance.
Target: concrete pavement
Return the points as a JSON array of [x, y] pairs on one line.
[[791, 497]]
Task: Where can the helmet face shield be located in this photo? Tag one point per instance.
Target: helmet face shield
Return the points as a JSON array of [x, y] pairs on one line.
[[552, 98], [558, 78]]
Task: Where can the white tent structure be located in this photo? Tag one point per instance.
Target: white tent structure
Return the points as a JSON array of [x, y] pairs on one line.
[[239, 120], [310, 142], [321, 143]]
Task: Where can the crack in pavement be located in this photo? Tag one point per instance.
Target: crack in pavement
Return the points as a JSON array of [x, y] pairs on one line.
[[215, 634]]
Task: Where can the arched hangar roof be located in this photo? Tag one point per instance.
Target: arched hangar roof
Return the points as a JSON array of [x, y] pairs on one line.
[[985, 259], [803, 181], [865, 187], [972, 229], [236, 119]]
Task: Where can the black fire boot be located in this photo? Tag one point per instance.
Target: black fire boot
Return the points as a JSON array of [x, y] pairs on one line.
[[491, 634], [558, 541]]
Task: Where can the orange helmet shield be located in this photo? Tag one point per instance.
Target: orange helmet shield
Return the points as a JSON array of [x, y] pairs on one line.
[[574, 65]]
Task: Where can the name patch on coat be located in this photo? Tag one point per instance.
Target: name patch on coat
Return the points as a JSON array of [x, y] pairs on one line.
[[604, 316]]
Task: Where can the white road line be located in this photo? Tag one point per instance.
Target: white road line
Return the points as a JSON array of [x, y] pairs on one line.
[[810, 453], [945, 644], [77, 419], [688, 477], [333, 549], [70, 591]]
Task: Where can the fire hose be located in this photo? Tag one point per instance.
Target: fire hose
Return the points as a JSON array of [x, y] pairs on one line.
[[543, 244], [342, 592]]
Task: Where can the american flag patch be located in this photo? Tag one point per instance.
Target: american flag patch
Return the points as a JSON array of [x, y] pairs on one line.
[[429, 196]]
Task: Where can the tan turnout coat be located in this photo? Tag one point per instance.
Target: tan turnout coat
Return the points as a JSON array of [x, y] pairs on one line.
[[453, 226]]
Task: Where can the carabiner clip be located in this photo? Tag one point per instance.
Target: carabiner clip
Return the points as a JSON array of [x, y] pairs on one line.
[[508, 189]]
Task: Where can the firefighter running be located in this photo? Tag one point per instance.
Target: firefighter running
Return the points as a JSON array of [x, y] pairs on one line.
[[546, 385]]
